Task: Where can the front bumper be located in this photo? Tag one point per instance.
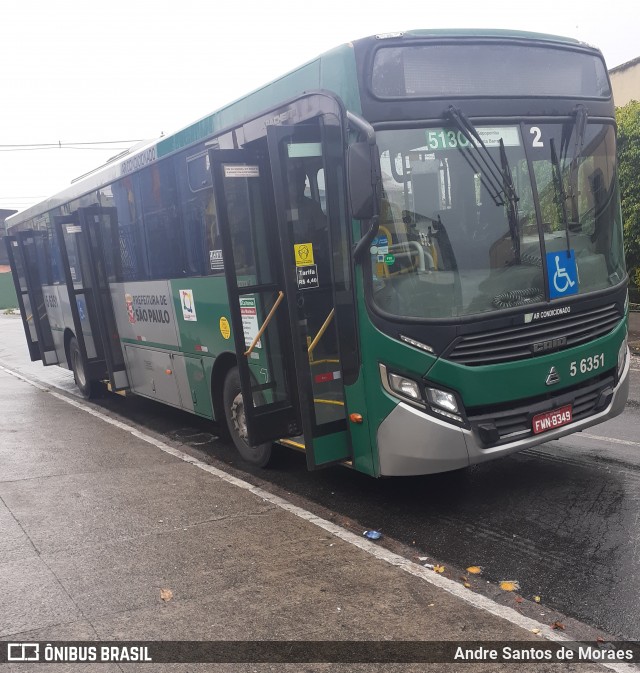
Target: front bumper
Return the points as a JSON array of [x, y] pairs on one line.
[[411, 442]]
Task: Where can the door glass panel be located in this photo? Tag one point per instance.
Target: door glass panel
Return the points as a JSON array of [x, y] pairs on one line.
[[22, 279], [266, 360], [69, 232], [253, 242], [42, 276], [242, 188], [102, 242], [81, 289], [310, 258], [17, 260], [37, 274]]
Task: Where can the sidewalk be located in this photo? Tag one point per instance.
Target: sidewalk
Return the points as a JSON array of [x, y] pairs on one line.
[[95, 522]]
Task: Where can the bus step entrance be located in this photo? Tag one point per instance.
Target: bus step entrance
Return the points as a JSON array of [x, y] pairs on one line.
[[297, 443], [107, 383], [294, 442]]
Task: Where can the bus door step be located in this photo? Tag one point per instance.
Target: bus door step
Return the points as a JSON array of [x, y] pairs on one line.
[[294, 443], [123, 393]]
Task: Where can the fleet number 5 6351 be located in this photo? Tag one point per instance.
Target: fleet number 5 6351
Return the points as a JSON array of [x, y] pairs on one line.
[[585, 365]]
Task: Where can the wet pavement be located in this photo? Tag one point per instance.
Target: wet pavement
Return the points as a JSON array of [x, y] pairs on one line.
[[109, 536], [562, 520]]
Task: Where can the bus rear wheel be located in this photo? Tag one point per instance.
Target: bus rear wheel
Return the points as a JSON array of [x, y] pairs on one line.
[[88, 388], [237, 424]]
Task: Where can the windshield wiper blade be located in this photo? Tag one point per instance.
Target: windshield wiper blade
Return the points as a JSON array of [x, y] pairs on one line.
[[490, 175], [581, 125], [500, 177], [580, 128], [512, 198], [561, 194]]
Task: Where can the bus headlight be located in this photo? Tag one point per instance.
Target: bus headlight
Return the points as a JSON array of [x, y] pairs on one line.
[[405, 387], [435, 400], [622, 355], [442, 400]]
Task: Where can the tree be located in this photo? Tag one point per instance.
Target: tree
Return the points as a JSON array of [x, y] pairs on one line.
[[628, 118]]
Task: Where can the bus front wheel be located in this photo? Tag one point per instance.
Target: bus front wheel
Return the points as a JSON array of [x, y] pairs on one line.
[[236, 422], [88, 388]]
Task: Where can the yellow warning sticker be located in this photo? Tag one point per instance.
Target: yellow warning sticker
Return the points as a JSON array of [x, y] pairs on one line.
[[225, 328], [303, 253]]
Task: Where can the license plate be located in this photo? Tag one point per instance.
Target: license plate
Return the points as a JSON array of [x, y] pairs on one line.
[[551, 420]]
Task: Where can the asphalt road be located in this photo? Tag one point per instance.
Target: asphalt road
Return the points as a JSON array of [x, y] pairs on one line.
[[563, 519]]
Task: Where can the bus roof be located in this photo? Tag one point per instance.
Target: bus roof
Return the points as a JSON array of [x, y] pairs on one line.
[[325, 71], [310, 76], [500, 33]]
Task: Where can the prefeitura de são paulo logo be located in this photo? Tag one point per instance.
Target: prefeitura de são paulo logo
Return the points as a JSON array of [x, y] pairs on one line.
[[129, 302]]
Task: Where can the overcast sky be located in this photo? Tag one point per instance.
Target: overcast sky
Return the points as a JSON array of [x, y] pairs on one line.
[[79, 71]]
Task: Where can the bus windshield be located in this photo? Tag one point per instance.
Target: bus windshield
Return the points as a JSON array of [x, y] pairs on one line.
[[464, 228]]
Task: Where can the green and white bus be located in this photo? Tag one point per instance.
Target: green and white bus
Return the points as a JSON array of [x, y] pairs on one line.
[[405, 256]]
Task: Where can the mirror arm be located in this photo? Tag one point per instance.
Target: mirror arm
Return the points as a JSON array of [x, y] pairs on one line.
[[362, 125], [365, 242]]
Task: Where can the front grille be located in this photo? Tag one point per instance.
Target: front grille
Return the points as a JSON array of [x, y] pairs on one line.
[[511, 424], [516, 343]]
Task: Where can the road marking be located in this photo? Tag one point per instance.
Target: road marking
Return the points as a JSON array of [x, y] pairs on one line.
[[454, 588], [627, 442]]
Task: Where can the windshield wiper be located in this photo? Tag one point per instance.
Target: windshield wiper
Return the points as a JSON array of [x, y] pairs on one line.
[[512, 198], [560, 193], [490, 174], [580, 127], [499, 177]]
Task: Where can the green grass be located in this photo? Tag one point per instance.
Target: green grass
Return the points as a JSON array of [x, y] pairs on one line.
[[8, 297]]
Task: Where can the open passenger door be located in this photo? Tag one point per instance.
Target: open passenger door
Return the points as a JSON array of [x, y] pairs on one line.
[[87, 238], [291, 379], [31, 267], [257, 302]]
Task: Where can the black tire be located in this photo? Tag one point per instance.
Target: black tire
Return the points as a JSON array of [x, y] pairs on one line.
[[89, 389], [260, 455]]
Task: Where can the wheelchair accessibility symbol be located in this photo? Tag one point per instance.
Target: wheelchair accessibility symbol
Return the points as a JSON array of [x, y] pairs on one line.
[[562, 274]]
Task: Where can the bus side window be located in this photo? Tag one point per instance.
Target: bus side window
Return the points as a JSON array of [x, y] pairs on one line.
[[195, 197], [133, 256], [165, 246]]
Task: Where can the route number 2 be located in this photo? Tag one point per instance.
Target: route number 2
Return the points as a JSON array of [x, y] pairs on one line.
[[537, 135]]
